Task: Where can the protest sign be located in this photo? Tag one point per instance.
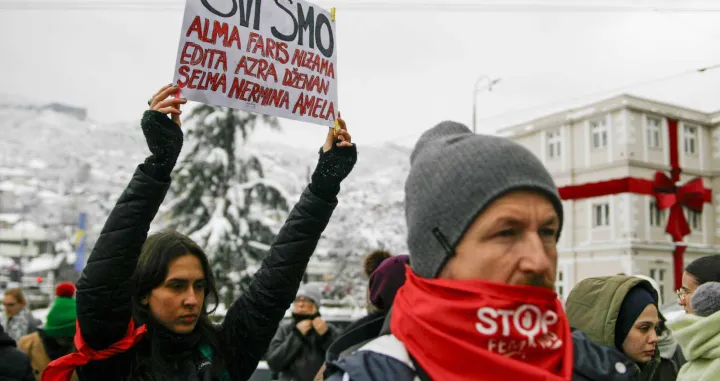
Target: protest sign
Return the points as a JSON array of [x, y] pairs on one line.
[[275, 57]]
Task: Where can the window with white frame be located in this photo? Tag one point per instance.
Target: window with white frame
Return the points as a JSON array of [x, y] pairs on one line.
[[601, 215], [653, 132], [694, 220], [657, 216], [553, 144], [690, 137], [659, 275], [598, 133]]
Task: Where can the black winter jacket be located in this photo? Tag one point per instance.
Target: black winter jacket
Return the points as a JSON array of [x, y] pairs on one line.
[[14, 364], [104, 290], [296, 357]]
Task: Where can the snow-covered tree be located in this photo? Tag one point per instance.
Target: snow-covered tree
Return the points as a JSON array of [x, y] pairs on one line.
[[222, 199]]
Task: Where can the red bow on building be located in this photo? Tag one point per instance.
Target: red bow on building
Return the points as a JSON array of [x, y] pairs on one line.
[[667, 195]]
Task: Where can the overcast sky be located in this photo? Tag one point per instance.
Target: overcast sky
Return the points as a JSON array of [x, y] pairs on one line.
[[399, 72]]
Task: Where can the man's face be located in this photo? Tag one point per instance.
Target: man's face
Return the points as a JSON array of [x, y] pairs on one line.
[[689, 284], [513, 242]]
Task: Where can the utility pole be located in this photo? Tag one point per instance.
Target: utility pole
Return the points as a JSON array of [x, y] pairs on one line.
[[491, 82]]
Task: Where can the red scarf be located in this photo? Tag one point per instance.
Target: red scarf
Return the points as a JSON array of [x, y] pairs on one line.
[[476, 330], [62, 369]]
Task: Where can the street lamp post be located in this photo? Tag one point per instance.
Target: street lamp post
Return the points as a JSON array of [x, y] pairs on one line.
[[491, 82]]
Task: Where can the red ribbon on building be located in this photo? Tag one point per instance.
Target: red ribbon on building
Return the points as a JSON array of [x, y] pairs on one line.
[[667, 194]]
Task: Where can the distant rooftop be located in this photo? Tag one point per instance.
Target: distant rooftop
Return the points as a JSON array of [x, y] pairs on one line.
[[590, 110]]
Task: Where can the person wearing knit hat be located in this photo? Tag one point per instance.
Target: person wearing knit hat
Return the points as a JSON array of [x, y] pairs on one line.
[[699, 335], [483, 216], [702, 270], [297, 352], [383, 285], [56, 338], [386, 280]]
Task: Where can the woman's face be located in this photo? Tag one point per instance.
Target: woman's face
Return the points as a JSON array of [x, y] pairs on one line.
[[12, 305], [178, 302], [304, 306], [640, 342]]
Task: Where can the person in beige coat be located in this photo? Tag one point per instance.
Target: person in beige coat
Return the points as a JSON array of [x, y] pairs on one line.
[[56, 339]]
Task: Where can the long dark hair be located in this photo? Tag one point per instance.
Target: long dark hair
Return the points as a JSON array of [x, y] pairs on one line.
[[157, 253]]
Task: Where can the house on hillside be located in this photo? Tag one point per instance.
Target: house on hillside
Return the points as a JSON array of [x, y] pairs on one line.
[[25, 240], [606, 159]]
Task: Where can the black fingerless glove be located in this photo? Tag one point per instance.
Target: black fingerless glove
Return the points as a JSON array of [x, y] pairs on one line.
[[165, 139], [332, 168]]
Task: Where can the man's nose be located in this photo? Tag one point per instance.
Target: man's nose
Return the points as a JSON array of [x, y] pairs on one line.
[[536, 258]]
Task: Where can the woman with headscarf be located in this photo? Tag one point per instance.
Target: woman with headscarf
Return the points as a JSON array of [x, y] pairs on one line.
[[671, 354], [621, 312]]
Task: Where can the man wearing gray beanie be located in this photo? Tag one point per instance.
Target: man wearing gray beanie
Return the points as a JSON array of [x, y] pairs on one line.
[[483, 217]]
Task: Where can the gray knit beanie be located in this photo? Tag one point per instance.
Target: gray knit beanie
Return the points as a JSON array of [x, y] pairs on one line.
[[454, 176], [705, 301], [312, 292]]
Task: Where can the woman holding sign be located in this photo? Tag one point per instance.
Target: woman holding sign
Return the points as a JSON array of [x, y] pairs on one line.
[[143, 303]]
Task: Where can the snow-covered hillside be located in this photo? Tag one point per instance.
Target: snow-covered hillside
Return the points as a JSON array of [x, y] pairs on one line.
[[56, 163]]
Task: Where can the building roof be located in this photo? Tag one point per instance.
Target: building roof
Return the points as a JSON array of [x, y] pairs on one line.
[[619, 102]]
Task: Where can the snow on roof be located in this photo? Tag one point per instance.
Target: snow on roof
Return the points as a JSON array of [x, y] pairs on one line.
[[12, 172], [43, 262], [7, 186], [28, 226], [37, 164], [11, 218], [6, 262]]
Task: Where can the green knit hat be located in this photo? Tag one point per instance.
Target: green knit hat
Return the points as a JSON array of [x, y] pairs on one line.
[[62, 315]]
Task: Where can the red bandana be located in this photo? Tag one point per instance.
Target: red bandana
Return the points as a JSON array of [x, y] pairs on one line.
[[478, 330], [62, 369]]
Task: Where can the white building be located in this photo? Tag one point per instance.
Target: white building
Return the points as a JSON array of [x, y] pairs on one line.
[[620, 138], [24, 240]]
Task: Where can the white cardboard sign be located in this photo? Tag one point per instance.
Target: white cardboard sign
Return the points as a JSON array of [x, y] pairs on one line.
[[275, 57]]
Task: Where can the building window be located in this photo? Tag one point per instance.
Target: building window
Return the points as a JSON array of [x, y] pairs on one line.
[[553, 144], [598, 132], [560, 284], [690, 138], [657, 216], [694, 220], [653, 132], [659, 276], [601, 215]]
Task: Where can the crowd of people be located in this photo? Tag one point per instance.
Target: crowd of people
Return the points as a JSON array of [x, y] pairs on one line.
[[474, 300]]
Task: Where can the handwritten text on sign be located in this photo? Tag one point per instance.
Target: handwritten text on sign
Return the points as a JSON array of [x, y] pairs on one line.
[[275, 57]]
